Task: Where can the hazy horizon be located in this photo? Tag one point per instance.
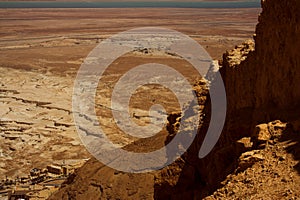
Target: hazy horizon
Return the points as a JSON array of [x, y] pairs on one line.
[[131, 4], [134, 0]]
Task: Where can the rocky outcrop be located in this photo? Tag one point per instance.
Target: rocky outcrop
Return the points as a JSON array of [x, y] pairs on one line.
[[269, 172], [262, 84]]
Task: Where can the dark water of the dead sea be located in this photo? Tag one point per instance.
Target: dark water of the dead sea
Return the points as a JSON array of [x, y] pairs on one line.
[[138, 4]]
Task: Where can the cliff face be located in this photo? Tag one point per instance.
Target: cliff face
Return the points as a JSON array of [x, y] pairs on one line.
[[262, 84], [269, 77], [277, 55]]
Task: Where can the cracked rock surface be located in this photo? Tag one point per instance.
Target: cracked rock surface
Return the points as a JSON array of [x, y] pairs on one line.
[[36, 124]]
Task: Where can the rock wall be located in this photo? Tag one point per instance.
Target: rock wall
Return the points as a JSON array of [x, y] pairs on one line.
[[262, 84], [269, 77]]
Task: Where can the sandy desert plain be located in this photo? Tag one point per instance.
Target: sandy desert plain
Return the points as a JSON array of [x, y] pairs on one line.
[[41, 51]]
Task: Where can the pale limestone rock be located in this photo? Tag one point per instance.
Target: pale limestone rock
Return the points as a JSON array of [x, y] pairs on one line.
[[246, 141], [261, 133]]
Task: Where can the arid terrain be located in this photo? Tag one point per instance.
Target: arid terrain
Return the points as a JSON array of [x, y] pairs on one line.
[[42, 49]]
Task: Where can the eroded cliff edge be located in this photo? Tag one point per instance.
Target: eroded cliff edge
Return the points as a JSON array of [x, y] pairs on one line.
[[262, 84], [261, 81]]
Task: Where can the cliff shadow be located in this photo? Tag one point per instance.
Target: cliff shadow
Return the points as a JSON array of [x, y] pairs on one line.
[[292, 137], [199, 178]]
